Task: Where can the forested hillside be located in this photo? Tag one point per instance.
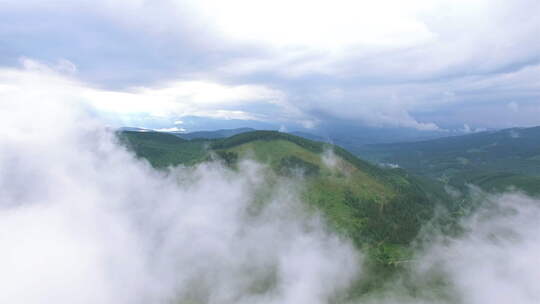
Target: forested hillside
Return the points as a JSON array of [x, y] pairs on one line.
[[493, 160], [381, 210]]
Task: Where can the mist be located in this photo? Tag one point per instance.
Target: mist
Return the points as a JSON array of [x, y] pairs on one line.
[[492, 259], [496, 259], [82, 220]]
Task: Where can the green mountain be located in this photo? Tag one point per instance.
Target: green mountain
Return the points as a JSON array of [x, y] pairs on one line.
[[164, 149], [492, 160], [381, 210]]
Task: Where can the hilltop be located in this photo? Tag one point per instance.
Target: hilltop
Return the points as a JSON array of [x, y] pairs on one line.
[[381, 210]]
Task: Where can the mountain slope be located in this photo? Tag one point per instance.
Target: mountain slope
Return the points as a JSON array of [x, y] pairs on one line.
[[368, 203], [163, 149], [381, 210], [494, 160]]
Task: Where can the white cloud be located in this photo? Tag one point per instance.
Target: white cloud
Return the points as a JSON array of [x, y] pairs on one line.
[[173, 129], [181, 98], [494, 261], [514, 134], [178, 98], [318, 25], [467, 129], [387, 40], [83, 221], [62, 66], [513, 106], [389, 165]]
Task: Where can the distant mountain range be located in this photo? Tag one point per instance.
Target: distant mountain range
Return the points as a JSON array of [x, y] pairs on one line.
[[348, 136], [494, 159], [221, 133], [212, 134]]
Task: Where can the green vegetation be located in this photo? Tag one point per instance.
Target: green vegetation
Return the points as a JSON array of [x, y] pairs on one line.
[[313, 146], [381, 210], [494, 161], [497, 181], [164, 149]]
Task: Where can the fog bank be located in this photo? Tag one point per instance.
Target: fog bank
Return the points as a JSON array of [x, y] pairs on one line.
[[83, 221], [494, 259]]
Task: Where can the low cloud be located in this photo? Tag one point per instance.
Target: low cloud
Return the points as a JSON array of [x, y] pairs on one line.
[[173, 129], [494, 261], [83, 221], [491, 260]]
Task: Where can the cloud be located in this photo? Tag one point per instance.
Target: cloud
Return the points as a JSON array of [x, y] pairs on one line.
[[494, 260], [396, 84], [318, 25], [421, 65], [436, 47], [173, 129], [180, 98], [82, 220], [514, 134], [513, 106], [172, 100], [61, 66], [467, 129], [490, 260]]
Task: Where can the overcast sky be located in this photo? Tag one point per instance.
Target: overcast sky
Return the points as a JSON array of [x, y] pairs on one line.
[[420, 64]]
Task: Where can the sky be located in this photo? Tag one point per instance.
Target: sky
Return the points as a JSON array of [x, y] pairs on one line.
[[438, 65]]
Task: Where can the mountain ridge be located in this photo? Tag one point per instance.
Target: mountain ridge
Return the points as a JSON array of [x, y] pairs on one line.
[[381, 210]]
